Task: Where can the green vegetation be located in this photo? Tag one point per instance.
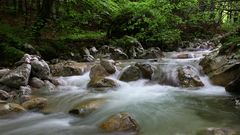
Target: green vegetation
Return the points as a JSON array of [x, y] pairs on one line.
[[161, 23]]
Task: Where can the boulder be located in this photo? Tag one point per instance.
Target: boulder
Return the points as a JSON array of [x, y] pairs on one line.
[[188, 77], [131, 73], [87, 107], [98, 71], [48, 87], [88, 58], [17, 77], [4, 72], [25, 90], [152, 53], [135, 51], [217, 131], [68, 68], [26, 59], [6, 88], [221, 69], [85, 51], [10, 108], [102, 83], [36, 82], [146, 69], [93, 51], [4, 95], [108, 65], [40, 68], [233, 86], [35, 103], [121, 122], [57, 81], [118, 54]]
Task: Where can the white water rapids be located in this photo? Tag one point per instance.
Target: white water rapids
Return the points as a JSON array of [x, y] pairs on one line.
[[160, 109]]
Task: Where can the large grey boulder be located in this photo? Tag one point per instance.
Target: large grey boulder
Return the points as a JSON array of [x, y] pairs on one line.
[[146, 69], [108, 65], [188, 77], [3, 72], [40, 68], [98, 71], [131, 73], [221, 69], [17, 77], [69, 68], [102, 83], [36, 82]]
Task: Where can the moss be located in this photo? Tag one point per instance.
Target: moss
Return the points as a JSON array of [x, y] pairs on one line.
[[125, 41], [9, 55]]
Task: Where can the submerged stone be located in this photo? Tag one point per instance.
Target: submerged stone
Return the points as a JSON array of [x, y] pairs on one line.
[[217, 131], [35, 103], [87, 107], [10, 108], [121, 122]]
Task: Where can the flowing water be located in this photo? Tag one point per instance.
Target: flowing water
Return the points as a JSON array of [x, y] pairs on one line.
[[160, 109]]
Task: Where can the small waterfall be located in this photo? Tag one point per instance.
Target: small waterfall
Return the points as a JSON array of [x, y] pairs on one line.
[[160, 108]]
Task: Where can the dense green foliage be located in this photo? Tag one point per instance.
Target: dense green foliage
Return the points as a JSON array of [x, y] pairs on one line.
[[153, 22]]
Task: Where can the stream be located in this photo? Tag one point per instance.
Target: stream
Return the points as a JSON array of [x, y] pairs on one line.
[[160, 109]]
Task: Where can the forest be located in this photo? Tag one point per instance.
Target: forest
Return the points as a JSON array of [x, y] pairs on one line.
[[119, 67], [161, 23]]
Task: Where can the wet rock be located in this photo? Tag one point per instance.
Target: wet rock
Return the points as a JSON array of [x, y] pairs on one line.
[[93, 51], [68, 68], [135, 51], [40, 68], [87, 107], [26, 59], [10, 108], [36, 82], [102, 83], [25, 90], [221, 69], [108, 65], [233, 86], [217, 131], [131, 73], [88, 58], [17, 77], [152, 53], [146, 69], [4, 72], [98, 71], [48, 87], [4, 95], [104, 49], [118, 54], [184, 56], [188, 77], [57, 81], [85, 51], [121, 122], [35, 103]]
